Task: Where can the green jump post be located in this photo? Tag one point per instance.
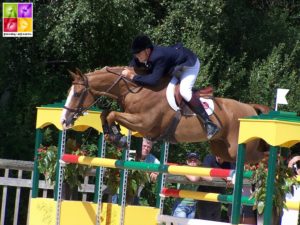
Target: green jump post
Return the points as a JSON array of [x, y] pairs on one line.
[[99, 154], [36, 172], [237, 192], [60, 134], [122, 180], [161, 177], [124, 174], [270, 185]]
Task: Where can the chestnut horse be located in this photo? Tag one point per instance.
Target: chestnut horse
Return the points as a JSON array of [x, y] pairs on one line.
[[147, 111]]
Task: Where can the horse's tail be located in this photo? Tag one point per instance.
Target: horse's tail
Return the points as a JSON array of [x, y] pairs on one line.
[[261, 108]]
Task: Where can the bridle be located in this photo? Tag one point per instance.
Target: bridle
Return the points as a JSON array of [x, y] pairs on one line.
[[79, 110]]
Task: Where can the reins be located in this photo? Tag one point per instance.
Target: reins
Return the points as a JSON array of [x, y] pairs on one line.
[[126, 81]]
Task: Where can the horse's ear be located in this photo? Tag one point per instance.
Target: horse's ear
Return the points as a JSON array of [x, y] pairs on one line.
[[78, 72], [73, 75]]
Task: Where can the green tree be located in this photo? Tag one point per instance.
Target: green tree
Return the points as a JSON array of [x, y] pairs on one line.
[[279, 70]]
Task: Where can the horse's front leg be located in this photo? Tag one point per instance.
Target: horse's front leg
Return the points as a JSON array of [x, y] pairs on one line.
[[112, 132], [133, 122], [104, 122]]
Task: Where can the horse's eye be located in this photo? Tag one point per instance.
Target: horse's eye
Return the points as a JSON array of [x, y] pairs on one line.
[[76, 94]]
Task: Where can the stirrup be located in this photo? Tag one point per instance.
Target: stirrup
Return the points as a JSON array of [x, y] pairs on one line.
[[211, 129]]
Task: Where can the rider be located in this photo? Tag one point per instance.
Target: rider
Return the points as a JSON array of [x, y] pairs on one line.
[[176, 60]]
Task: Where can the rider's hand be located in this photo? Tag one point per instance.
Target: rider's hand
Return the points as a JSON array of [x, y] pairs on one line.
[[128, 73]]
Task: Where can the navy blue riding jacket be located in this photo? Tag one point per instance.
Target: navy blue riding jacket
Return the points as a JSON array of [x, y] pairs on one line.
[[163, 61]]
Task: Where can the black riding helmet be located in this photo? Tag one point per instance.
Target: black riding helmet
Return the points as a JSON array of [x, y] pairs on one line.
[[140, 43]]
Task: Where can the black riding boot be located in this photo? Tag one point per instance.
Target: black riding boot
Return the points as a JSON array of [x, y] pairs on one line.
[[197, 107]]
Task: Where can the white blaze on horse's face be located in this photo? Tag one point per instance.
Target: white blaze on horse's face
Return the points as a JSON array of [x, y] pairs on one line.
[[65, 112]]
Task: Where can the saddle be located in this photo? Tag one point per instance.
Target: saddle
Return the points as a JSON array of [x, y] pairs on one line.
[[206, 92], [185, 110]]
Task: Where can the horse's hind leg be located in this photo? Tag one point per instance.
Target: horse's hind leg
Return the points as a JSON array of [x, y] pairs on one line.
[[221, 148], [254, 151]]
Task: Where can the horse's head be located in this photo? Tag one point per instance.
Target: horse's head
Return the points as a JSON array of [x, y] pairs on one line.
[[86, 88], [80, 98]]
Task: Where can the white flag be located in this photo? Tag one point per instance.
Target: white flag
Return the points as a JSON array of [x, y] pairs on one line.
[[280, 97]]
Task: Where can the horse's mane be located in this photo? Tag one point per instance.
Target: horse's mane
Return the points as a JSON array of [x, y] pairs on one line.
[[115, 69]]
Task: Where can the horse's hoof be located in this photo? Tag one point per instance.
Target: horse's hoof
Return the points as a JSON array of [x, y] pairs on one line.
[[118, 140], [123, 142]]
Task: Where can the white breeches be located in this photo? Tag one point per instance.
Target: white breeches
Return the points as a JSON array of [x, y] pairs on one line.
[[187, 80]]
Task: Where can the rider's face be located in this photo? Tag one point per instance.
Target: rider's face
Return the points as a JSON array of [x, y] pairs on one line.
[[143, 56]]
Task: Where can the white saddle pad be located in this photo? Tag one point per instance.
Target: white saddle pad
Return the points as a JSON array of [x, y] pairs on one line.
[[208, 104]]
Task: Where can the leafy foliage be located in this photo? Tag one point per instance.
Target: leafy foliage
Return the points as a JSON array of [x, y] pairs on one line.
[[73, 173], [278, 70], [284, 181]]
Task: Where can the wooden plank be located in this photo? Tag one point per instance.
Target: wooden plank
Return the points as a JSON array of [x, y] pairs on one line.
[[29, 197], [17, 200], [16, 164], [28, 166], [15, 182], [26, 183], [85, 182], [4, 195], [45, 193]]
